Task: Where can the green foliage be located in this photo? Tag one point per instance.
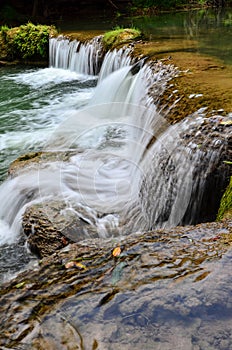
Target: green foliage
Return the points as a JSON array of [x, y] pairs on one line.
[[4, 30], [119, 36], [28, 41], [225, 209], [227, 22], [169, 4], [31, 41]]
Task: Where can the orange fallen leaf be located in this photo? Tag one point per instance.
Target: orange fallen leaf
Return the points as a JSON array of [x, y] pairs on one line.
[[216, 238], [116, 252], [80, 265]]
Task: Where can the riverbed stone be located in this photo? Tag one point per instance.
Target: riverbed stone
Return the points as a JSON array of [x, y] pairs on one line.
[[51, 225], [167, 289]]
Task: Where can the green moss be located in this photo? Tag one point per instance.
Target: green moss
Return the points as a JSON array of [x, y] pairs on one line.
[[225, 210], [119, 36], [28, 41]]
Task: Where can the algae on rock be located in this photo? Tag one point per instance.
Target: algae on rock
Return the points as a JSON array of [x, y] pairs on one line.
[[119, 36], [225, 210]]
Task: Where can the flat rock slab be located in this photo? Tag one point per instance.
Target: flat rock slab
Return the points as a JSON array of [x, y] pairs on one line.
[[166, 289]]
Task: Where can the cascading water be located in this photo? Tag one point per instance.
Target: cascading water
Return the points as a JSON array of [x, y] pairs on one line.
[[115, 60], [129, 170], [87, 58], [73, 55]]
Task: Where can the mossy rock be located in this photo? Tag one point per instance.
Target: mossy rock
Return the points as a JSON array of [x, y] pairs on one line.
[[120, 36], [27, 42], [225, 210]]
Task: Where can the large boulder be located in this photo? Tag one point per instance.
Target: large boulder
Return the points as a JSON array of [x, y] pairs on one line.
[[50, 226]]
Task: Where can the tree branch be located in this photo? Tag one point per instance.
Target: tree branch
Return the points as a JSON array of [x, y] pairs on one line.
[[111, 2]]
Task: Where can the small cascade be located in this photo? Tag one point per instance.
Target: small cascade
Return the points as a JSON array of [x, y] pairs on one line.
[[114, 60], [87, 58], [83, 58]]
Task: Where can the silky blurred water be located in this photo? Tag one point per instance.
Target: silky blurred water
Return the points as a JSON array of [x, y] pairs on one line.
[[29, 103], [33, 102]]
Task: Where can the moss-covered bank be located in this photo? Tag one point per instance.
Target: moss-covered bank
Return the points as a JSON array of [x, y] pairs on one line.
[[26, 43]]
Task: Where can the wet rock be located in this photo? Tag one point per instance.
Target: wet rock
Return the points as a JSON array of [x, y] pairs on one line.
[[204, 146], [211, 176], [167, 289], [35, 160], [51, 225]]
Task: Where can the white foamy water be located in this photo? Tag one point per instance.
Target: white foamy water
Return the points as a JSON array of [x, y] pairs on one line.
[[39, 101], [115, 60], [84, 58], [112, 132], [40, 78]]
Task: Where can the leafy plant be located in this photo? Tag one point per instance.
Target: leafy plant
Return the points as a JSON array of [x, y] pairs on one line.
[[31, 41], [225, 209], [4, 30]]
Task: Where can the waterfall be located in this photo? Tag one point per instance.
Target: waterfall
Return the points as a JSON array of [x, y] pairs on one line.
[[84, 58], [114, 60], [129, 169], [87, 58], [112, 133]]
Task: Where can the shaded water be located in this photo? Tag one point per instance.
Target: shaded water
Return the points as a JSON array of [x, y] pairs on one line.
[[205, 31]]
